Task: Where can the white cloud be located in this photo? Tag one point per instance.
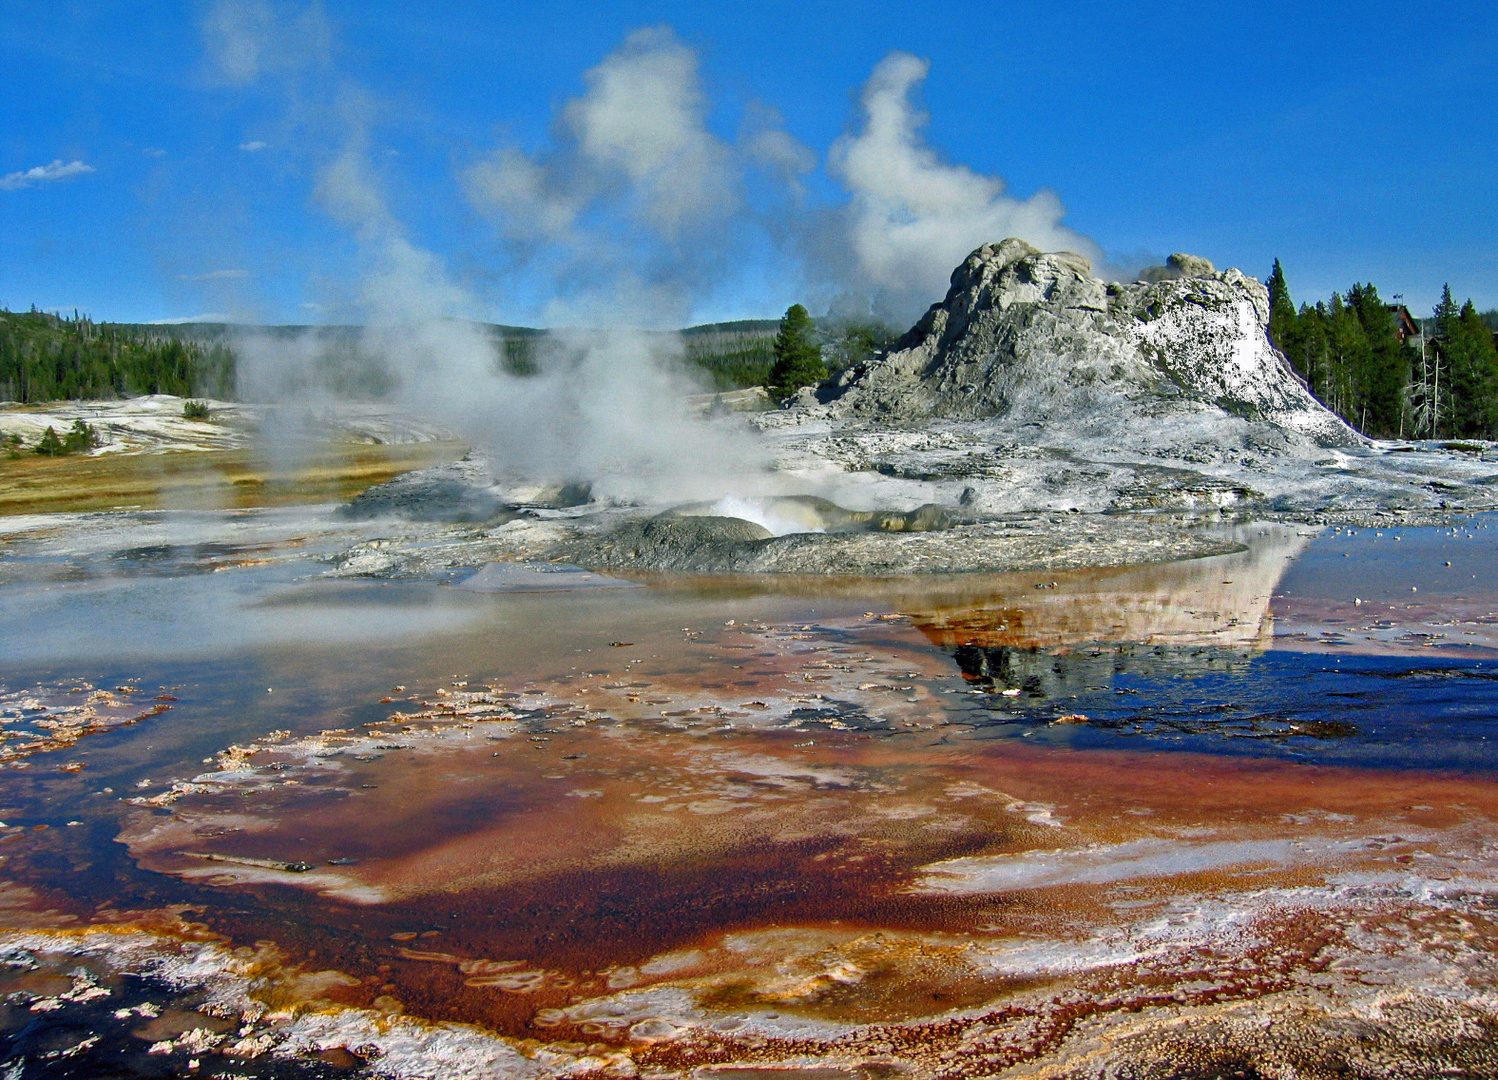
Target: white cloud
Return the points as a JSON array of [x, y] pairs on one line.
[[215, 275], [207, 317], [637, 139], [43, 174], [913, 216], [250, 38], [645, 114], [253, 147], [527, 196]]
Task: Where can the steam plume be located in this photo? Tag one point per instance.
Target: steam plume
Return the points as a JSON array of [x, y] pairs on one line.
[[607, 405], [911, 216], [637, 209]]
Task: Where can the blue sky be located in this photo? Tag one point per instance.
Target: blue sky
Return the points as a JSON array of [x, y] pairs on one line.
[[674, 162]]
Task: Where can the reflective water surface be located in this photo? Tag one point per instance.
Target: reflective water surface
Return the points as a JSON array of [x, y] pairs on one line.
[[534, 823]]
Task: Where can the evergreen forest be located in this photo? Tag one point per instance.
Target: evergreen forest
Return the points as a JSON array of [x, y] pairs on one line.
[[731, 355], [46, 357], [1437, 379]]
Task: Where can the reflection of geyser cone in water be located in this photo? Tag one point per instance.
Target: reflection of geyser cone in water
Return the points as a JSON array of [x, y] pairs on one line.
[[1054, 634]]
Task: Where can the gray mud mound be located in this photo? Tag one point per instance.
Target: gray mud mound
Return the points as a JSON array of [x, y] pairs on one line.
[[715, 545], [680, 544], [1035, 337], [443, 493]]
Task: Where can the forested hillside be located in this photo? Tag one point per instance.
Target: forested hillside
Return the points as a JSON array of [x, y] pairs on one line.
[[732, 354], [729, 355], [47, 358]]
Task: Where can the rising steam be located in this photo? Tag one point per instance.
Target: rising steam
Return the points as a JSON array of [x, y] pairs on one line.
[[912, 217], [633, 216], [639, 133]]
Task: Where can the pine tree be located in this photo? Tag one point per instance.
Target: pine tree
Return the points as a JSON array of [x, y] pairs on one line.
[[798, 358], [1447, 313], [49, 444], [1312, 356], [1447, 317], [1283, 323], [1474, 375], [80, 438], [1385, 369], [1347, 357]]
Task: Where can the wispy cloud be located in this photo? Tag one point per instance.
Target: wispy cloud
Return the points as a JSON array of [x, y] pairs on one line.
[[43, 174], [209, 317], [215, 275], [253, 147], [249, 39]]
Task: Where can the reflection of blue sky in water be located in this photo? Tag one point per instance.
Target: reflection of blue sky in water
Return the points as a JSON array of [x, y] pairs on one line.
[[1381, 565], [1172, 654], [1375, 711], [1375, 647], [213, 615]]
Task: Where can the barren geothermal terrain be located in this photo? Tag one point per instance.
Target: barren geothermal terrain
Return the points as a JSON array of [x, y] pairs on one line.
[[1062, 693]]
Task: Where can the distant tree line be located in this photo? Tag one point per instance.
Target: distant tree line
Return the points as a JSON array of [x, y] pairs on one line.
[[1437, 379], [46, 357], [782, 356], [731, 355]]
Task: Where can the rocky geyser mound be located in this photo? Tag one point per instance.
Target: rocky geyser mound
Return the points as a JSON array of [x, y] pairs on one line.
[[1036, 338]]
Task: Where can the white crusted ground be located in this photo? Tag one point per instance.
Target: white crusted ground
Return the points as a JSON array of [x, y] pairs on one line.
[[155, 422]]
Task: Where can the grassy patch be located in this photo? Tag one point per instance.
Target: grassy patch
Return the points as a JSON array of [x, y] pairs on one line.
[[208, 479]]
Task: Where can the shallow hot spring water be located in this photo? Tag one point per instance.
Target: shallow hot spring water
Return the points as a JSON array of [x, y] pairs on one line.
[[536, 822]]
